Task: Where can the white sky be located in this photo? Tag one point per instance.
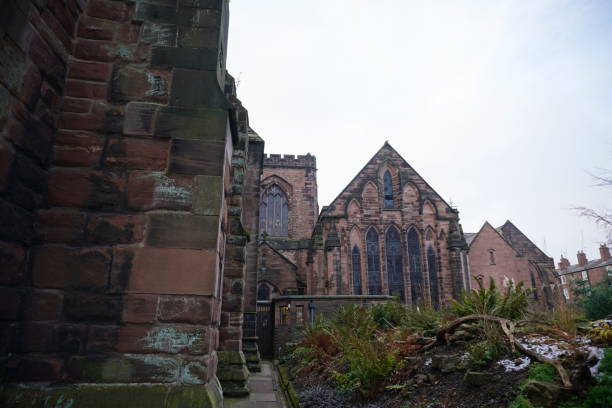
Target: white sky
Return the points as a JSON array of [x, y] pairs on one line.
[[502, 106]]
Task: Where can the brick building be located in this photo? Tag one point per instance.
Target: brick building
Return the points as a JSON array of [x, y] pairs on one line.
[[589, 272], [387, 232], [507, 255]]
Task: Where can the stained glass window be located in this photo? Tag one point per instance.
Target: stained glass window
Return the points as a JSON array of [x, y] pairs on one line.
[[373, 253], [432, 266], [274, 213], [414, 262], [263, 292], [356, 261], [388, 189], [395, 266]]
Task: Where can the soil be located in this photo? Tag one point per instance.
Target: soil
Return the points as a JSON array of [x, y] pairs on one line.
[[422, 387]]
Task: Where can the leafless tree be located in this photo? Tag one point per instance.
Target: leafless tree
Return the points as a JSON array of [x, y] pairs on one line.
[[603, 218]]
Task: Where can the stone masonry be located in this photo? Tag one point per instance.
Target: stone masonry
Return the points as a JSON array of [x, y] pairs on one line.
[[122, 155]]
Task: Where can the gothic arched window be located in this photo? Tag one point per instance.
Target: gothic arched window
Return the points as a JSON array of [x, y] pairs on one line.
[[373, 253], [356, 260], [274, 213], [432, 267], [414, 262], [395, 266], [263, 292], [388, 189]]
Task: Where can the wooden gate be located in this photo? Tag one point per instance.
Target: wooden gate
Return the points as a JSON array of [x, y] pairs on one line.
[[265, 328]]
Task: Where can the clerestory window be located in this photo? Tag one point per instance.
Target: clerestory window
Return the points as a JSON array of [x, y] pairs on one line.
[[274, 213]]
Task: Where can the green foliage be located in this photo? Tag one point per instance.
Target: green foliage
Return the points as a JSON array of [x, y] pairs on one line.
[[483, 354], [521, 402], [596, 301], [542, 372], [388, 314], [600, 396], [512, 304], [424, 320]]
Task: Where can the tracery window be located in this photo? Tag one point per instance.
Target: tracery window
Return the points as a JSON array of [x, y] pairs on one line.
[[395, 266], [432, 267], [373, 253], [274, 212], [414, 262], [356, 261], [263, 292], [388, 189]]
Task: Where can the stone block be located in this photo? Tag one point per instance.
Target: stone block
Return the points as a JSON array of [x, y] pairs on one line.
[[155, 190], [172, 230], [131, 83], [76, 105], [115, 229], [62, 225], [107, 10], [105, 51], [68, 268], [197, 157], [12, 259], [197, 89], [41, 306], [84, 89], [163, 339], [7, 155], [95, 29], [185, 309], [189, 58], [158, 34], [35, 368], [139, 308], [198, 17], [194, 372], [155, 13], [10, 303], [201, 124], [165, 271], [102, 339], [77, 149], [123, 369], [90, 71], [99, 308], [89, 189], [204, 38], [139, 118], [137, 154]]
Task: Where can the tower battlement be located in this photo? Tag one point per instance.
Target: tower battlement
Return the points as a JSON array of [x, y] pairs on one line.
[[290, 160]]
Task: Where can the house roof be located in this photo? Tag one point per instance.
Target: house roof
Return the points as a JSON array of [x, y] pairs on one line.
[[597, 263], [469, 237], [508, 225], [473, 236]]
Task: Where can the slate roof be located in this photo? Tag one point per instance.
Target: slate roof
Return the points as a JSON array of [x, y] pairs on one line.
[[469, 237], [597, 263]]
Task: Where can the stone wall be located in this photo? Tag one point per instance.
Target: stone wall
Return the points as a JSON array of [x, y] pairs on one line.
[[117, 152]]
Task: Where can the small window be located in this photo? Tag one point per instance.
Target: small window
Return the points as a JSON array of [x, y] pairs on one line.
[[491, 257], [566, 293], [284, 315], [563, 280], [388, 189], [299, 315], [585, 275], [609, 270]]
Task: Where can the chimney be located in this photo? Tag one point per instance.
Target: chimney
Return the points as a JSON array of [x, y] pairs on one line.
[[582, 259], [563, 263], [604, 252]]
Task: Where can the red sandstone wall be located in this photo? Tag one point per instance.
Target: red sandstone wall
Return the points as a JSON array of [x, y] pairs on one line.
[[360, 206], [126, 268]]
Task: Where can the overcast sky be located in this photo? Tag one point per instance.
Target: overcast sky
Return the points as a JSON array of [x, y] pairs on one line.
[[502, 106]]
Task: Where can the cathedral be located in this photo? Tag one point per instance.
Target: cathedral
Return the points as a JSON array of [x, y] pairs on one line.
[[388, 232]]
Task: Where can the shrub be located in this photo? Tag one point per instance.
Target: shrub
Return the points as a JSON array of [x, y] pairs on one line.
[[596, 301], [600, 396], [483, 353], [542, 372], [388, 314], [521, 402], [512, 304], [424, 320]]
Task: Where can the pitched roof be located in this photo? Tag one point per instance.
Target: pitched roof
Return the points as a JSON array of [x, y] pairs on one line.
[[597, 263], [386, 145], [469, 237], [511, 237], [474, 236]]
